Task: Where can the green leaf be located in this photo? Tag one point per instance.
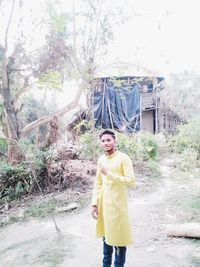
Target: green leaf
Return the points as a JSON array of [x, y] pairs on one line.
[[52, 79]]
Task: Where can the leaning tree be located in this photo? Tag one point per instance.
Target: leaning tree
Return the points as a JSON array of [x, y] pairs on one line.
[[73, 44]]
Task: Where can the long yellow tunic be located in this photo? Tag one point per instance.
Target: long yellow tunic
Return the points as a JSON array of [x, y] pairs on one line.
[[110, 195]]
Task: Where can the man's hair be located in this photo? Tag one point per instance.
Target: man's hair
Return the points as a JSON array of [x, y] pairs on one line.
[[107, 131]]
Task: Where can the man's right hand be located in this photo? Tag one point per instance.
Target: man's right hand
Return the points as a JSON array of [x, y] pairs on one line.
[[95, 212]]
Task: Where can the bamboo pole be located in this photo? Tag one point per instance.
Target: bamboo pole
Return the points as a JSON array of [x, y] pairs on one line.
[[110, 114], [140, 112], [156, 115], [102, 110]]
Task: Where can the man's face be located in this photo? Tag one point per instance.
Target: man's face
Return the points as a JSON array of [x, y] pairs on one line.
[[108, 143]]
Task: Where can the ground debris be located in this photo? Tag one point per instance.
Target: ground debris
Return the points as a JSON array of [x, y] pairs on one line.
[[74, 174], [69, 207]]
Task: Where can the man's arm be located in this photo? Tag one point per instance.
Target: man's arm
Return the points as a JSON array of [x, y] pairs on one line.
[[96, 192], [128, 176]]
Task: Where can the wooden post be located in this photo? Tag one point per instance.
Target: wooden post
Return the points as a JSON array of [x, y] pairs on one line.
[[140, 112], [110, 114], [156, 115], [102, 110], [155, 83]]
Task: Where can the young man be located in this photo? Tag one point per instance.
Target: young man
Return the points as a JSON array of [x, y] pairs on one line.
[[109, 201]]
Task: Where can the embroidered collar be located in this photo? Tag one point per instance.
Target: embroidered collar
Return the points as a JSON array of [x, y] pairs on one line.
[[112, 155]]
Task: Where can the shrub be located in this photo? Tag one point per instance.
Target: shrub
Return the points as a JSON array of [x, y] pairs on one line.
[[187, 160], [40, 210], [88, 145], [186, 143], [140, 146], [148, 145], [188, 136], [3, 146], [21, 179], [162, 144], [88, 142]]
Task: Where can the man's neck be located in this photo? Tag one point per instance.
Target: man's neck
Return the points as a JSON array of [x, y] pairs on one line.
[[109, 153]]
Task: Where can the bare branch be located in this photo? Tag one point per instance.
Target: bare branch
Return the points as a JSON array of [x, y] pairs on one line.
[[93, 35], [74, 28], [8, 26], [19, 70], [2, 56], [24, 88], [43, 21], [45, 119], [97, 28], [36, 25], [75, 63]]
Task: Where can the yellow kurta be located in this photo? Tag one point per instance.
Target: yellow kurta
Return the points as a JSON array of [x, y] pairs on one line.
[[110, 195]]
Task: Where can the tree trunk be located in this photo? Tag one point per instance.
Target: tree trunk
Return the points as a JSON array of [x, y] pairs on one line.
[[14, 152], [27, 129], [191, 230], [52, 135]]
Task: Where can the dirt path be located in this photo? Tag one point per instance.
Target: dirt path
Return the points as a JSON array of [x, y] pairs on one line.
[[36, 243]]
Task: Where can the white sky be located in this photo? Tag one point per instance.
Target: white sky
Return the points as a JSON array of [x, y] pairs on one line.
[[163, 37]]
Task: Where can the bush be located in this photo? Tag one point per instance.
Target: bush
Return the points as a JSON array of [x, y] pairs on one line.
[[21, 179], [162, 144], [148, 145], [3, 146], [88, 145], [188, 136], [187, 160], [186, 143], [141, 146], [88, 142]]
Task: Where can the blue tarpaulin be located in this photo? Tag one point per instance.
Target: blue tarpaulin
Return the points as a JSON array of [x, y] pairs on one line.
[[117, 108]]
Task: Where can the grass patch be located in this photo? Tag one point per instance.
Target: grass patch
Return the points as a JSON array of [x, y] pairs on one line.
[[154, 169], [44, 208], [36, 210], [195, 203], [10, 220], [192, 202], [53, 257], [41, 210], [195, 261], [188, 206], [43, 250]]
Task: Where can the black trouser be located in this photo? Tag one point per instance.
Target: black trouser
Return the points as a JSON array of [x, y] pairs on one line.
[[120, 255]]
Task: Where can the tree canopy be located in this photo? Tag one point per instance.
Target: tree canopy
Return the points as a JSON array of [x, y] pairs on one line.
[[182, 93], [61, 45]]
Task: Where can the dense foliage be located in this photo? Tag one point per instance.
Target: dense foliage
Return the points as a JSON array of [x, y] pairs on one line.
[[22, 179], [182, 93], [188, 136], [186, 143], [141, 146], [144, 149]]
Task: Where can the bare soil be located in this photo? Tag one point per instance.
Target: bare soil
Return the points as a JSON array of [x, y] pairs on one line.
[[36, 242]]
